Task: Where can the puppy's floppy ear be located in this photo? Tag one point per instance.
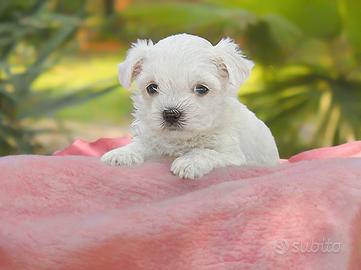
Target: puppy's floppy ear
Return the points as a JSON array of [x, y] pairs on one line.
[[132, 66], [231, 62]]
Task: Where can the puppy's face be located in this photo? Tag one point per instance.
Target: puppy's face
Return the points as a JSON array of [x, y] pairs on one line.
[[179, 93], [183, 81]]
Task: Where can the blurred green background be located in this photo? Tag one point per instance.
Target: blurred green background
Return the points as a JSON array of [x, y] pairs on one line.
[[58, 75]]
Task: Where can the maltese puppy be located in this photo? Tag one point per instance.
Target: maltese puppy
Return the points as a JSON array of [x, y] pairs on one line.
[[186, 107]]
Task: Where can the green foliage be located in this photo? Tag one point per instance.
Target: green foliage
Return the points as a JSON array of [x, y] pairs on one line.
[[309, 92], [31, 35], [162, 19]]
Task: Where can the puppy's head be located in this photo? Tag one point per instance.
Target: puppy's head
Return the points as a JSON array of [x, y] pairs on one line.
[[183, 81]]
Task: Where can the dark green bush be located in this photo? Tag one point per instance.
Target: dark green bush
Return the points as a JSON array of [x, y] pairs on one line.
[[32, 33]]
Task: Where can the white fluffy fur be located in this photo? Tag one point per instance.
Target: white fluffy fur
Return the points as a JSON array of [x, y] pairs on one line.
[[218, 131]]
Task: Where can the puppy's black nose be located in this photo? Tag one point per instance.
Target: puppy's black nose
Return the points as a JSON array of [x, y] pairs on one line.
[[171, 116]]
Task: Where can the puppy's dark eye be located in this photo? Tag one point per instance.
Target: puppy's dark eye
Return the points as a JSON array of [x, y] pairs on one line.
[[152, 89], [200, 90]]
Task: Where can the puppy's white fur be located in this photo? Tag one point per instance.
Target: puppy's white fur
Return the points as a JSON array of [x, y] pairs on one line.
[[218, 130]]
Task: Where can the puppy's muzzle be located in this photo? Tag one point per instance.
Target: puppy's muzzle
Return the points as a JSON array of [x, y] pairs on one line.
[[171, 116]]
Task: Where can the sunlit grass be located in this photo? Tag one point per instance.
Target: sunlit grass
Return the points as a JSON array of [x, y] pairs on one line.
[[72, 73]]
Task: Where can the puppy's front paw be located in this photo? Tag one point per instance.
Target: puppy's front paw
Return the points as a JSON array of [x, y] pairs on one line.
[[122, 156], [190, 168]]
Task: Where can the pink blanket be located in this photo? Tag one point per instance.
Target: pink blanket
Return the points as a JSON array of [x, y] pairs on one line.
[[72, 212]]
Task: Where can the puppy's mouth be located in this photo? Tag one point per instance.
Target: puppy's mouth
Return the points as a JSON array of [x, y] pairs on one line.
[[174, 126]]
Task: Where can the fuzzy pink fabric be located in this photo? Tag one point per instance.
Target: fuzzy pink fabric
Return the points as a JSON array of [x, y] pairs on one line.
[[72, 212]]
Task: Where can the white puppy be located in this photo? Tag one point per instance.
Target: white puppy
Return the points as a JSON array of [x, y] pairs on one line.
[[186, 107]]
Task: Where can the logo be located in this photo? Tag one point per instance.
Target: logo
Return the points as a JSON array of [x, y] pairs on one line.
[[283, 246]]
